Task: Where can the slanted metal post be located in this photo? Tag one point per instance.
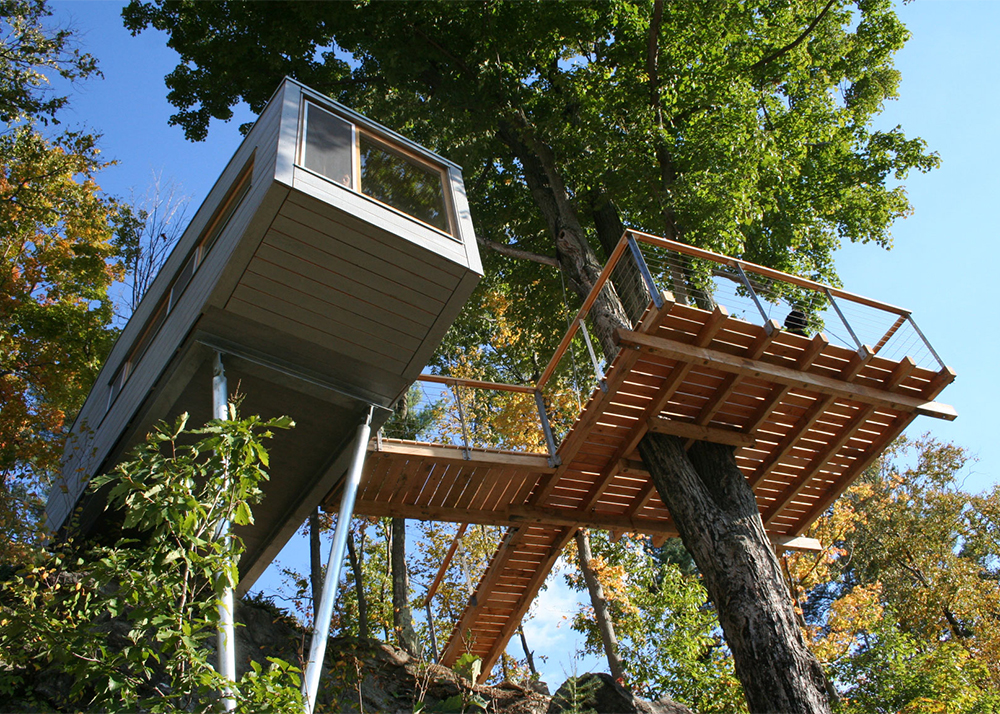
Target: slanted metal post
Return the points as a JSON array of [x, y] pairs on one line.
[[593, 357], [550, 441], [843, 319], [227, 629], [465, 430], [321, 627], [926, 341], [753, 293], [647, 277]]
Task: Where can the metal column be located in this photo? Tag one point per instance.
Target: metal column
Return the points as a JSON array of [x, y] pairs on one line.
[[321, 627], [227, 630]]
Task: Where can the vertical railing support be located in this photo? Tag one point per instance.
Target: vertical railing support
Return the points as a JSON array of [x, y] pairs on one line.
[[753, 293], [321, 627], [598, 372], [550, 441], [226, 645], [843, 318], [647, 277], [465, 429], [926, 341]]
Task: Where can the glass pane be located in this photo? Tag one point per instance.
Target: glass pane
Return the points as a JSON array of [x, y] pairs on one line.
[[329, 145], [403, 183]]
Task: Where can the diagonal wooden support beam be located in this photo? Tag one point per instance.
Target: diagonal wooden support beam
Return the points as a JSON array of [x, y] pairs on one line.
[[813, 468], [670, 385], [846, 478], [815, 349], [758, 369]]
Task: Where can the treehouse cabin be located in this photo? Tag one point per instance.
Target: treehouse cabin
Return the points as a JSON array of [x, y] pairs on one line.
[[324, 266]]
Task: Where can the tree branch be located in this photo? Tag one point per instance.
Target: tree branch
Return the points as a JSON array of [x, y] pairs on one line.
[[512, 252], [795, 43]]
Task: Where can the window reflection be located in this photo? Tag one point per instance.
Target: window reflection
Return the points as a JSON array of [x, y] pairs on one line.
[[402, 183]]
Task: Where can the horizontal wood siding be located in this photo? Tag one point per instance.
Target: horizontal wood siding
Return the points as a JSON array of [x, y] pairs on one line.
[[380, 216], [97, 429]]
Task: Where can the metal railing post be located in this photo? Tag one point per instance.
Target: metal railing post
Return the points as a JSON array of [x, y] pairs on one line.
[[598, 372], [461, 416], [550, 441], [226, 645], [321, 627], [843, 318], [647, 277], [753, 293], [926, 341]]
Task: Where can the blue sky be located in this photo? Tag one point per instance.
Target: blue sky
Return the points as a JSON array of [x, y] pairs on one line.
[[943, 265]]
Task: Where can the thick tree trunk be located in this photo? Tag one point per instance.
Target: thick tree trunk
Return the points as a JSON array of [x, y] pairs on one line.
[[359, 585], [402, 619], [715, 511], [597, 599]]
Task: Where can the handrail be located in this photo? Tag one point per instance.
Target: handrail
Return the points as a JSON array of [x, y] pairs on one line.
[[613, 259], [604, 276], [475, 383], [762, 270]]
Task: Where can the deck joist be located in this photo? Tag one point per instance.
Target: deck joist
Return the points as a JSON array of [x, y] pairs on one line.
[[805, 418]]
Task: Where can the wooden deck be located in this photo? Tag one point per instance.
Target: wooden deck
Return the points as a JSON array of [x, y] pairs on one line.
[[806, 418]]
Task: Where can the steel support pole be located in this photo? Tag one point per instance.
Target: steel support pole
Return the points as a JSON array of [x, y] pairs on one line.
[[550, 441], [843, 318], [321, 627], [227, 629], [753, 293], [598, 372], [647, 277]]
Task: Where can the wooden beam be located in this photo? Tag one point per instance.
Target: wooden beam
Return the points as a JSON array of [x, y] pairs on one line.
[[432, 590], [815, 349], [783, 375], [530, 592], [818, 462], [847, 478], [796, 543], [476, 384], [899, 373], [783, 447], [900, 321], [537, 463], [662, 425], [619, 372]]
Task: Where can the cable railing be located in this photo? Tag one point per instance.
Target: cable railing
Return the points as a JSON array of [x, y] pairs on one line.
[[640, 273]]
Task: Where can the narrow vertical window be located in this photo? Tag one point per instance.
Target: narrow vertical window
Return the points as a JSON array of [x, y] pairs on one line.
[[329, 146]]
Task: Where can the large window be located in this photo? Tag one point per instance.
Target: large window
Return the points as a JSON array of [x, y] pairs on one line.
[[353, 157]]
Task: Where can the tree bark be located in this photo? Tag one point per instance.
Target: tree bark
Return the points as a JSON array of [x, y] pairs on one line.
[[529, 656], [716, 513], [597, 599], [402, 619], [359, 585]]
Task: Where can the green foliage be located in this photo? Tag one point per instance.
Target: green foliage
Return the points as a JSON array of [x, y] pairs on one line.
[[131, 624], [902, 604], [668, 632], [58, 258], [469, 666]]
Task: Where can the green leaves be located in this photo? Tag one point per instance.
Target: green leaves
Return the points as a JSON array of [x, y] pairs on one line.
[[151, 599]]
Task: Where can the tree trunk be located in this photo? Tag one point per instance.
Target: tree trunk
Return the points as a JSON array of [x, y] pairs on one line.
[[315, 562], [359, 585], [716, 513], [529, 656], [402, 619], [601, 614]]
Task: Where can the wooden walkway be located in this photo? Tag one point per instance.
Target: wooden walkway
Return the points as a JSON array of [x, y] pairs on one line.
[[806, 418]]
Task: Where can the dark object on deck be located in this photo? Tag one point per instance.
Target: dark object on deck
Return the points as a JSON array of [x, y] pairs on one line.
[[796, 322]]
